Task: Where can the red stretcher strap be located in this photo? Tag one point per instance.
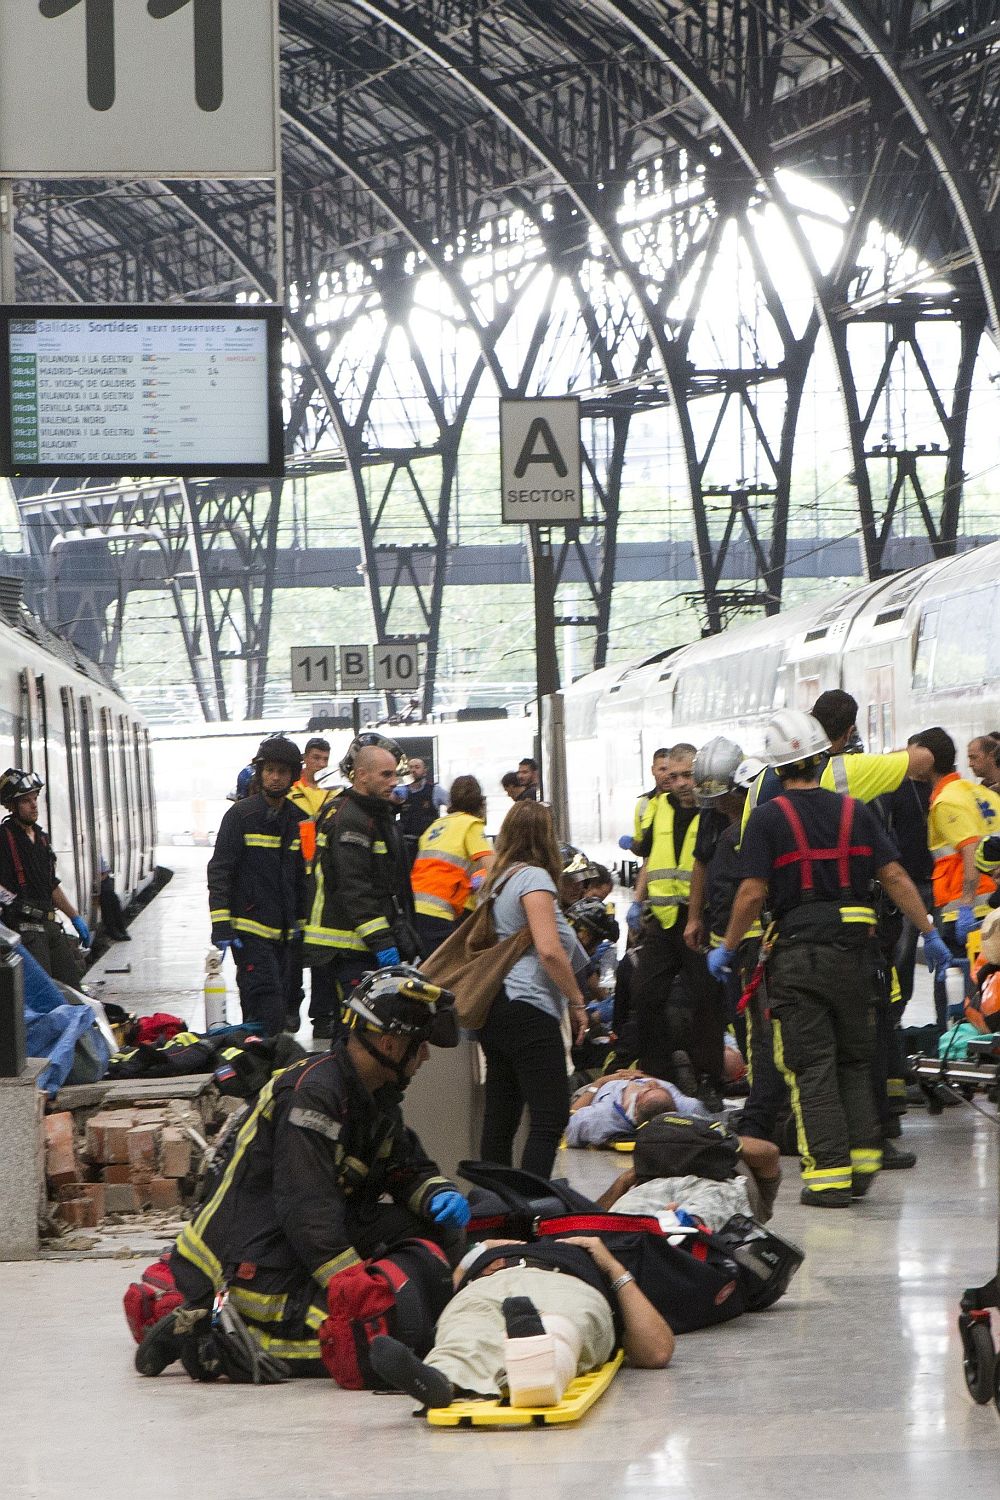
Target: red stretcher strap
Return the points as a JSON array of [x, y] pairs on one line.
[[600, 1224]]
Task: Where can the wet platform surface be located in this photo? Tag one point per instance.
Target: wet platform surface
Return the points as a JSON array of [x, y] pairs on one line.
[[851, 1385]]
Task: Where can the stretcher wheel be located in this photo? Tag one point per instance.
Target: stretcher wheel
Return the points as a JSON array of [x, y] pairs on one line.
[[979, 1361]]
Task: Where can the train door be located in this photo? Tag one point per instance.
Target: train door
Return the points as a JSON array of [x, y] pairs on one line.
[[73, 787], [113, 834], [147, 752], [141, 797], [128, 800], [92, 825], [879, 695], [26, 720]]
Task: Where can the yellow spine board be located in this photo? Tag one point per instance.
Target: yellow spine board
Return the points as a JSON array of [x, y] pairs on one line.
[[580, 1396]]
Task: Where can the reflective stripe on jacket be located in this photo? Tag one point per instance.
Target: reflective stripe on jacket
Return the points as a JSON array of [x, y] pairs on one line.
[[668, 880], [450, 852], [361, 888], [961, 813]]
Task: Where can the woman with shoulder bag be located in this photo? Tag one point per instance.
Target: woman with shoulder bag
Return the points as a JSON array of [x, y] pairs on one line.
[[522, 1038]]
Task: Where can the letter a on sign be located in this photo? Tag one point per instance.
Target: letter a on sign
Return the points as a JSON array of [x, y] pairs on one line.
[[540, 460]]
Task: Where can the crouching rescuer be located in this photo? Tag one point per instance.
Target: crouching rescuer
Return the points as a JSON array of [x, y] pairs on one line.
[[295, 1262], [811, 856]]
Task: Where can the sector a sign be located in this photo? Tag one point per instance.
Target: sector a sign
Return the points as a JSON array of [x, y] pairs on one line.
[[540, 460], [137, 88]]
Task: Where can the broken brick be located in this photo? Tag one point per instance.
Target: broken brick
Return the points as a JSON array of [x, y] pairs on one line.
[[120, 1198], [60, 1157], [79, 1213], [107, 1136], [176, 1156], [144, 1147], [164, 1192], [117, 1172]]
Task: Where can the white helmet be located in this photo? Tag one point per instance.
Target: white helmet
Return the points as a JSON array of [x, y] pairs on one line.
[[748, 770], [794, 735], [714, 768]]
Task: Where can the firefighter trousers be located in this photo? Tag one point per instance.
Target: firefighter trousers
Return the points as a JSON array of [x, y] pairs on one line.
[[768, 1099], [283, 1307], [667, 1021], [822, 1004], [265, 975]]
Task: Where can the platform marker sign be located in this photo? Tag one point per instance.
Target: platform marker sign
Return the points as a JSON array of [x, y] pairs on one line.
[[541, 467], [313, 669], [397, 667], [138, 88], [355, 669]]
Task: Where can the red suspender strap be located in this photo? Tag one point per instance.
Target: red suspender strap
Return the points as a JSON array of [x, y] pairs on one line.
[[844, 845], [803, 854], [15, 854]]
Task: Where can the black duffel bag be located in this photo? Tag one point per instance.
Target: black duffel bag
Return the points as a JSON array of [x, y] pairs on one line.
[[679, 1146]]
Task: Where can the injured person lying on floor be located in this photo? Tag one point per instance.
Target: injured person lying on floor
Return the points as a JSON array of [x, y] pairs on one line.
[[612, 1107], [525, 1321]]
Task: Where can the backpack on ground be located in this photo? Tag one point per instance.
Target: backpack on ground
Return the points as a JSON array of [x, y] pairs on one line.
[[473, 963], [678, 1146]]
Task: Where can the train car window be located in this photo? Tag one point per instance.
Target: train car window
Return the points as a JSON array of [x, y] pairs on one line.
[[42, 720], [964, 656], [72, 782], [923, 662], [26, 753], [9, 738], [732, 687]]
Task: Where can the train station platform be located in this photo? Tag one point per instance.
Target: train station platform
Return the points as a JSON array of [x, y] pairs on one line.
[[851, 1385]]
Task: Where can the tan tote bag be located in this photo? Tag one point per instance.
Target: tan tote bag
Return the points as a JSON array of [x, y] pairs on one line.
[[473, 963]]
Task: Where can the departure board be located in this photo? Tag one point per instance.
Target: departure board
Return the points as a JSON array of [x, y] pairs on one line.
[[119, 392]]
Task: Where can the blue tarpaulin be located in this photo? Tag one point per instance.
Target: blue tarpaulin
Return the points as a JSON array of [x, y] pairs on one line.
[[53, 1027]]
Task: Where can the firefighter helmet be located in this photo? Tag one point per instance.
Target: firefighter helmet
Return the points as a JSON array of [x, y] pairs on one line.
[[370, 740], [593, 914], [399, 1001], [793, 736], [747, 771], [714, 769], [16, 783], [279, 751]]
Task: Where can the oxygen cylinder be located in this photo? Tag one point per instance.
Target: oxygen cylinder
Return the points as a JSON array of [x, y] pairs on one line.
[[215, 990]]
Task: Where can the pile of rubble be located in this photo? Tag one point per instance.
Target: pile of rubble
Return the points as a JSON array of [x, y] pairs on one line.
[[143, 1156]]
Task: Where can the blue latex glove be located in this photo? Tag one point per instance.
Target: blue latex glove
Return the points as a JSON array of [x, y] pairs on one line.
[[965, 922], [82, 929], [450, 1208], [387, 958], [625, 842], [720, 962], [634, 917], [224, 945], [936, 951], [477, 881]]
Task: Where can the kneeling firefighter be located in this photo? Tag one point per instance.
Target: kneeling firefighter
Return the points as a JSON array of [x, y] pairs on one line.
[[295, 1249], [813, 854]]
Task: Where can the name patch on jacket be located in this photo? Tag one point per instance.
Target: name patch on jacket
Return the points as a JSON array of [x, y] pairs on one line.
[[356, 838], [314, 1119]]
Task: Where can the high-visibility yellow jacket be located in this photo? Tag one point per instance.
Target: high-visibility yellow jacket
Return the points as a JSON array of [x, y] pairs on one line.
[[642, 807], [961, 813], [668, 879], [451, 851]]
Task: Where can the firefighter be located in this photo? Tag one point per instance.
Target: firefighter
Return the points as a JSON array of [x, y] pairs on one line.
[[812, 854], [28, 870], [256, 888], [675, 1031], [313, 798], [362, 906], [453, 856], [298, 1212]]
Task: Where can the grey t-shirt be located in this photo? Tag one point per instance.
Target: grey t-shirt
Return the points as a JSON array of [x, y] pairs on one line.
[[527, 980]]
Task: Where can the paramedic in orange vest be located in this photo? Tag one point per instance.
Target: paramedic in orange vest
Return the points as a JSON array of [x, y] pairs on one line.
[[453, 855], [812, 855], [961, 815]]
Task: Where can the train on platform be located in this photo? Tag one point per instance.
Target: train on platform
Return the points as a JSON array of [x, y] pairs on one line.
[[61, 717], [915, 649]]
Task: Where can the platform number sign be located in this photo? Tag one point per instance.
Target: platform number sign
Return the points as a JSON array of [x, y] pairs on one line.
[[355, 669], [397, 667], [313, 669]]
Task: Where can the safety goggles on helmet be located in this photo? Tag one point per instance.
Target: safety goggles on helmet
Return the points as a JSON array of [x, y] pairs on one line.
[[16, 783], [399, 1001], [574, 862], [371, 739]]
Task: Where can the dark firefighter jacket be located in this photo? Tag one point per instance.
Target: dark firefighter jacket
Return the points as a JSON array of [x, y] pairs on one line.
[[317, 1149], [256, 878], [361, 899], [27, 866]]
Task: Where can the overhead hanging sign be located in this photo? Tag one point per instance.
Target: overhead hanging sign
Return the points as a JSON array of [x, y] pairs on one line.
[[138, 88], [541, 469]]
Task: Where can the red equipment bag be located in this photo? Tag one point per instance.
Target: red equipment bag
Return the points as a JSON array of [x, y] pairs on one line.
[[152, 1298], [402, 1294]]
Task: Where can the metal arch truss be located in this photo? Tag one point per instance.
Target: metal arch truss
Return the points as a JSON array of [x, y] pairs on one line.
[[566, 177]]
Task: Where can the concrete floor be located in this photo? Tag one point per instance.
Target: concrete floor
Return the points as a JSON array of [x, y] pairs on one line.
[[852, 1385]]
